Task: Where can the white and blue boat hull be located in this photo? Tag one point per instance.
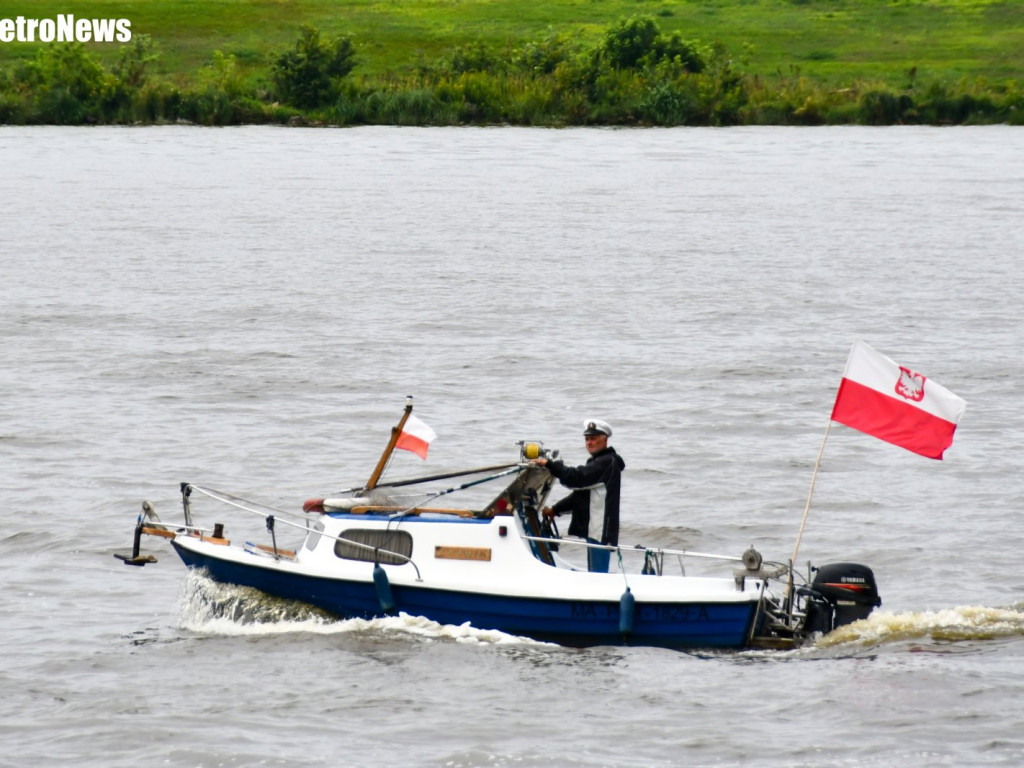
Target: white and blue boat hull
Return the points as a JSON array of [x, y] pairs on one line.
[[512, 591]]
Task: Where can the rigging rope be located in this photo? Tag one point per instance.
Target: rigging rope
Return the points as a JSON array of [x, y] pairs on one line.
[[462, 487]]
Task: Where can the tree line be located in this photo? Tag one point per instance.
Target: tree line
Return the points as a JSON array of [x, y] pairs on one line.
[[635, 75]]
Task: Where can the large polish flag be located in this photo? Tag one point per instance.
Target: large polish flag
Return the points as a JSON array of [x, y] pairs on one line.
[[884, 399], [416, 436]]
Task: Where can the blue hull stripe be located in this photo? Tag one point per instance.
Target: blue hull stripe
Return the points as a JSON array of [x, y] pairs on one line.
[[572, 622]]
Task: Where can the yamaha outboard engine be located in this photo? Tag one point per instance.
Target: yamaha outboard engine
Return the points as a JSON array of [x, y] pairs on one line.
[[841, 593]]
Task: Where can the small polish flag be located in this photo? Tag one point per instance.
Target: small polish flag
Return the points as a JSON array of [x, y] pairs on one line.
[[882, 398], [416, 436]]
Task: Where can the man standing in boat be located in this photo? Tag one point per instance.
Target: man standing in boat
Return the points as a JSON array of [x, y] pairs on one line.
[[594, 502]]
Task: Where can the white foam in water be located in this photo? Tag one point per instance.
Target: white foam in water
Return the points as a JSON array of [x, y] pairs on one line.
[[208, 607], [968, 622]]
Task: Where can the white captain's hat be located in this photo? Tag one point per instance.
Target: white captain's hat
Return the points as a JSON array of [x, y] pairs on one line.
[[597, 427]]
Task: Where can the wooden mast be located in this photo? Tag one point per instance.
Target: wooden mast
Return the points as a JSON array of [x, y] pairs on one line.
[[395, 432]]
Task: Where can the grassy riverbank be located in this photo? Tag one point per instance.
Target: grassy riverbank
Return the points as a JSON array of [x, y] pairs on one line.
[[471, 61]]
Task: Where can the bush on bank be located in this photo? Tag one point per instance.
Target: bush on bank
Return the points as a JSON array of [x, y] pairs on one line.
[[634, 75]]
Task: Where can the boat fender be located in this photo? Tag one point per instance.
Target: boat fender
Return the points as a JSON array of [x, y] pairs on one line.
[[383, 586], [627, 603]]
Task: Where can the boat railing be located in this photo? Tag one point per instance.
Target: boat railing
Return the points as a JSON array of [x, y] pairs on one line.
[[653, 557], [271, 519]]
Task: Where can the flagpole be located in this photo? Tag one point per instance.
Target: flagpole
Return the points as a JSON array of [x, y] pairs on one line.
[[395, 432], [810, 493], [807, 509]]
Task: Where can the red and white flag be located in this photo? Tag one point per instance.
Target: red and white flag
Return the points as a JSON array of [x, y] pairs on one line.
[[882, 398], [416, 436]]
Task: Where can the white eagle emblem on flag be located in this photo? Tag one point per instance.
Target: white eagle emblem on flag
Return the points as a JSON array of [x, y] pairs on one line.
[[910, 385]]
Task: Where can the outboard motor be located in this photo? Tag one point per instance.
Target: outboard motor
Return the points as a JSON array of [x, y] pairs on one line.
[[841, 593]]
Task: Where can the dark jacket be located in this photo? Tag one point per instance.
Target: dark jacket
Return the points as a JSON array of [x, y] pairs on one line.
[[600, 476]]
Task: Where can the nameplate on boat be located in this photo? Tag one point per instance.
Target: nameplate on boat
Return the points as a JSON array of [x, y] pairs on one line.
[[462, 553]]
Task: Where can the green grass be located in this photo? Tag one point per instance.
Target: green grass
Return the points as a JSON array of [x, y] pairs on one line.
[[439, 62], [830, 41]]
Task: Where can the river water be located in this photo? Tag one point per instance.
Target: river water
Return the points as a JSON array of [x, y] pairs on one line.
[[247, 309]]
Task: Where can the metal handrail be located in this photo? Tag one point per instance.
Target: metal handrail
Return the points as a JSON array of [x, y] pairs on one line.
[[635, 548]]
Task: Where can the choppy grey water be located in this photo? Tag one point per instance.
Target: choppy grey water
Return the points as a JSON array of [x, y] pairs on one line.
[[248, 308]]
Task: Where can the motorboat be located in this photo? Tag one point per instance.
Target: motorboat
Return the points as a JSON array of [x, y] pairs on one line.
[[498, 565]]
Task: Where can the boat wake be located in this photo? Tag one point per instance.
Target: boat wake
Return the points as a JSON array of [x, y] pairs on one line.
[[211, 608], [953, 625]]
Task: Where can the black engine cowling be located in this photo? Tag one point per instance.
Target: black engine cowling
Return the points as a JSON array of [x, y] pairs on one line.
[[840, 593]]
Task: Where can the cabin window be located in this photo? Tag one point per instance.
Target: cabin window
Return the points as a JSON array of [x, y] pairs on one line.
[[313, 538], [399, 542]]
